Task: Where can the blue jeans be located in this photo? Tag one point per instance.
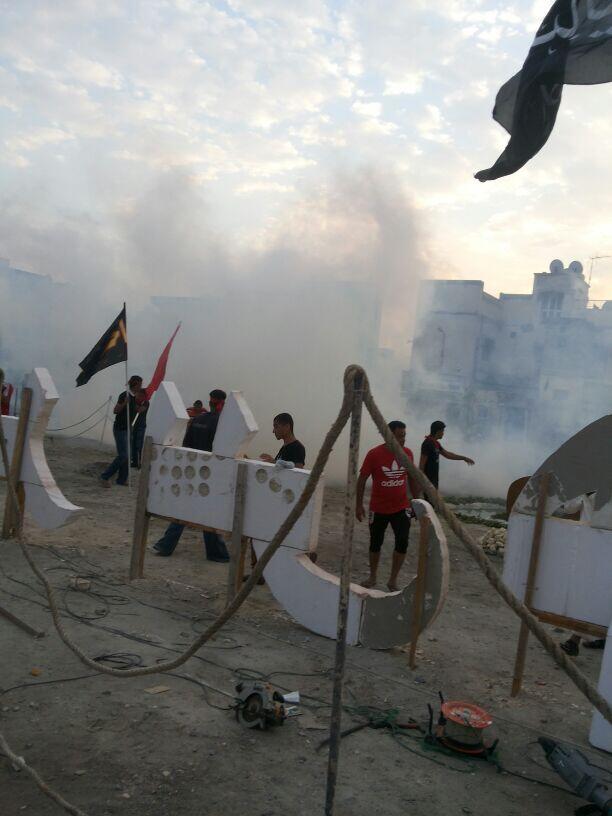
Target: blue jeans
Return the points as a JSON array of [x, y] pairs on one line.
[[138, 435], [120, 462], [214, 544]]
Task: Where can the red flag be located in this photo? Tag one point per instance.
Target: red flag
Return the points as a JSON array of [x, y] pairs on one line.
[[160, 368]]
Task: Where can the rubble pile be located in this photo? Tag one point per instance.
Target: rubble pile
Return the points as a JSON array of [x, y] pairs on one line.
[[493, 542]]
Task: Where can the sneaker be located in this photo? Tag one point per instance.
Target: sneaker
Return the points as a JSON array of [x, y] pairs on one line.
[[105, 482]]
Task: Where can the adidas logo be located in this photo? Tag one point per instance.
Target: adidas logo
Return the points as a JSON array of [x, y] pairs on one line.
[[394, 474]]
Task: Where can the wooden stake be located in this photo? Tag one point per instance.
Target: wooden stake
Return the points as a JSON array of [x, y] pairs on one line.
[[20, 623], [343, 599], [11, 519], [419, 592], [521, 649], [141, 516], [237, 537]]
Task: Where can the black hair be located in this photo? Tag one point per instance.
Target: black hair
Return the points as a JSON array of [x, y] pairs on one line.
[[284, 419], [134, 378], [198, 404], [436, 426], [218, 394], [396, 423]]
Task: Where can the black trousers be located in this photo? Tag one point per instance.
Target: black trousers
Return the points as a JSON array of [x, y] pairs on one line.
[[400, 524]]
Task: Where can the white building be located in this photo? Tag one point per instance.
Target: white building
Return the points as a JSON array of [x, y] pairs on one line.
[[535, 365]]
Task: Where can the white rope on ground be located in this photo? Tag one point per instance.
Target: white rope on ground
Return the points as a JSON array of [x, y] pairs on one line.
[[20, 762], [458, 528], [247, 587], [577, 677]]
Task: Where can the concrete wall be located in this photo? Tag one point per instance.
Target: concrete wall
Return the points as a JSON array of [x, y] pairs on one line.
[[532, 364]]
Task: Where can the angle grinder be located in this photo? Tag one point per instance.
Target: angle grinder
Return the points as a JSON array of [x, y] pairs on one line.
[[259, 705]]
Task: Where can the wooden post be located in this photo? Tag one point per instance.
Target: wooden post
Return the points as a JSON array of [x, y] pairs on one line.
[[419, 592], [344, 594], [236, 541], [20, 623], [141, 516], [11, 518], [521, 649]]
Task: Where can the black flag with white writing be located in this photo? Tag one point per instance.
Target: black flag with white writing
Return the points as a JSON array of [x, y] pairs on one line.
[[573, 46]]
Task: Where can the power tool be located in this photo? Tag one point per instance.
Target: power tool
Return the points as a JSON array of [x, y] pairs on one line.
[[576, 771], [259, 705]]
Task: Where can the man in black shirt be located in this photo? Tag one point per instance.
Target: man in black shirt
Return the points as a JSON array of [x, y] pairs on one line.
[[200, 435], [431, 450], [120, 463], [292, 450]]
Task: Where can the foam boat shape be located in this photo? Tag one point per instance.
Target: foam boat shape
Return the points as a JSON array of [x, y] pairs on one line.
[[575, 563], [44, 501]]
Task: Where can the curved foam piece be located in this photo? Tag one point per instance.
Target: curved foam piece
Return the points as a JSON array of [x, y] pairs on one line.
[[44, 501], [199, 487], [379, 620], [579, 467], [575, 560]]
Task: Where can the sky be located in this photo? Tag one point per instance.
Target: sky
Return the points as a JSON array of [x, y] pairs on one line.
[[145, 142]]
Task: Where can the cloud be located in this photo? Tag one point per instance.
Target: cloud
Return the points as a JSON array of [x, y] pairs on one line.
[[248, 103]]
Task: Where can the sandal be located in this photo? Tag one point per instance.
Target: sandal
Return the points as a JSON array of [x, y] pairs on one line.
[[570, 648], [600, 643]]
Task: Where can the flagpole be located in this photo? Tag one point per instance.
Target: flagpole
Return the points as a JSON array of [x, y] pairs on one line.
[[127, 399]]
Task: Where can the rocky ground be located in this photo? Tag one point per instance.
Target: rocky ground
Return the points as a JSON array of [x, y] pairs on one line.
[[164, 745]]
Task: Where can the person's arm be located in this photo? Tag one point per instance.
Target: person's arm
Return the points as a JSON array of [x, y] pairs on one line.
[[457, 457], [423, 462], [359, 508]]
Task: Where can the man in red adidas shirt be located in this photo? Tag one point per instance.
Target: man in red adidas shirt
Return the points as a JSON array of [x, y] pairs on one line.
[[389, 503]]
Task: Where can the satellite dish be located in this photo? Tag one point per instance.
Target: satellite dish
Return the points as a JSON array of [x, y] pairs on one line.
[[576, 267], [556, 266]]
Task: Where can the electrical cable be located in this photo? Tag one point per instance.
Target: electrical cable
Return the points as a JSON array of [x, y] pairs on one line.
[[129, 660]]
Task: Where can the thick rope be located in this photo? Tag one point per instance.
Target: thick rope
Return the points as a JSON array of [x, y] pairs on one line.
[[20, 762], [285, 528], [475, 550], [578, 678]]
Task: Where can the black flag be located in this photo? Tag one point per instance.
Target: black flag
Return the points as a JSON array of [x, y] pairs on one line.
[[573, 46], [111, 348]]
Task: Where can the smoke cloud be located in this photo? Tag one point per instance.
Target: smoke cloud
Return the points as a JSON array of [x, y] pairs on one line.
[[331, 282]]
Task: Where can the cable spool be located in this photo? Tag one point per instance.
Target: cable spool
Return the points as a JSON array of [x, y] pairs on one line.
[[461, 728]]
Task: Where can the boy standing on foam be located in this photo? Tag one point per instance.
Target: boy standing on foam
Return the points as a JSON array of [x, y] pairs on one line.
[[389, 503]]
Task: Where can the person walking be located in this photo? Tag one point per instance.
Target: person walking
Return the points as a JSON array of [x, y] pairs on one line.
[[389, 503], [432, 450], [200, 435], [126, 401]]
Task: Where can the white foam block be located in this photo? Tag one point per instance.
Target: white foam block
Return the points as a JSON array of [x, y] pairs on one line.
[[44, 501]]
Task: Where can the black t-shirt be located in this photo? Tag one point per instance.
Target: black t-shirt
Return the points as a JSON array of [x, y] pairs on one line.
[[121, 418], [431, 449], [293, 452], [201, 431]]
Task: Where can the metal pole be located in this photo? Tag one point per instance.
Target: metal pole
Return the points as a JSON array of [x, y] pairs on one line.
[[127, 407], [343, 600]]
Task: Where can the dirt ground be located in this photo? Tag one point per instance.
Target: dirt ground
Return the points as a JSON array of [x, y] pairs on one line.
[[112, 747]]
